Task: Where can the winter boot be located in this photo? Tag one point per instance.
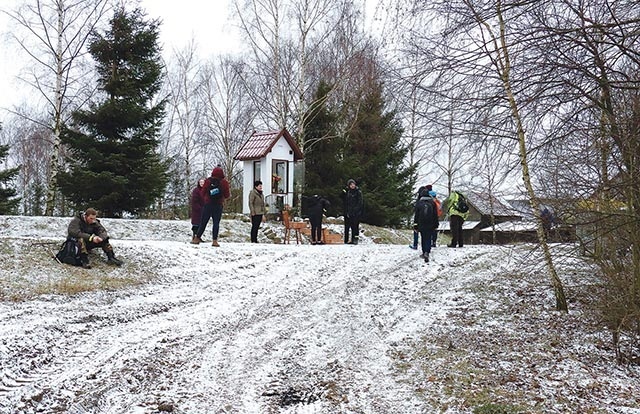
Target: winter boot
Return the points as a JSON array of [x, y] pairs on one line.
[[355, 240], [215, 243], [196, 240], [111, 259], [84, 261], [426, 257]]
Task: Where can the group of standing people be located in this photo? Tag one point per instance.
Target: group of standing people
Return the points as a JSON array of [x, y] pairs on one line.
[[204, 206], [427, 214]]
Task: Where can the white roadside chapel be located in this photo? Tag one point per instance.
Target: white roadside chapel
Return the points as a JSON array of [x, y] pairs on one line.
[[269, 157]]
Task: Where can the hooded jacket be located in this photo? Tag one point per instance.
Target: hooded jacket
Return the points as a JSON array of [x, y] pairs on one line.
[[224, 186], [80, 229], [197, 201]]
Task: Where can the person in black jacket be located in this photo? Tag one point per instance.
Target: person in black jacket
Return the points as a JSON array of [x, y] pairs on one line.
[[86, 228], [316, 206], [426, 219], [353, 210]]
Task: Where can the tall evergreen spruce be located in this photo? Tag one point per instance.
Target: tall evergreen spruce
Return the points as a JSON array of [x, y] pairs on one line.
[[377, 160], [8, 200], [114, 163], [371, 152], [323, 153]]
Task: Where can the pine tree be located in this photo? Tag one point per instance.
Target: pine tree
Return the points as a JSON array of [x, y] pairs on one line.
[[377, 159], [114, 163], [371, 153], [323, 172], [8, 200]]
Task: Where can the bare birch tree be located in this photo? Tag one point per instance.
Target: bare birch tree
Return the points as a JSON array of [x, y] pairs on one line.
[[475, 51], [228, 113], [53, 33], [182, 132]]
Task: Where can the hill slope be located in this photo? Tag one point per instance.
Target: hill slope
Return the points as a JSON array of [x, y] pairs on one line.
[[290, 329]]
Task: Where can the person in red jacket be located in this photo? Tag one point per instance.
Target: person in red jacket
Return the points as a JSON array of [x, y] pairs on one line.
[[214, 192], [197, 203]]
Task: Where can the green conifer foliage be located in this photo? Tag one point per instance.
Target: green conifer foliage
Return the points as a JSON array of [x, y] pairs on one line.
[[114, 163], [323, 153], [8, 200], [371, 152]]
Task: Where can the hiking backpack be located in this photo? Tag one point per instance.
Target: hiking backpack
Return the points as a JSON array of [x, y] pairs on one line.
[[438, 204], [69, 252], [214, 189], [426, 211], [462, 205]]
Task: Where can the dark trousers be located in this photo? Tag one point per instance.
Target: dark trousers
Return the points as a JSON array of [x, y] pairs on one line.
[[416, 235], [455, 222], [86, 247], [353, 224], [255, 226], [194, 228], [425, 240], [214, 212], [316, 228]]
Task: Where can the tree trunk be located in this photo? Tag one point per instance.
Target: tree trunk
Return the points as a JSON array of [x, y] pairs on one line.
[[503, 66]]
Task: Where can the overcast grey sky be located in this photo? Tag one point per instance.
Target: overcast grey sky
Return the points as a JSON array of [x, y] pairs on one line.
[[208, 22], [205, 21]]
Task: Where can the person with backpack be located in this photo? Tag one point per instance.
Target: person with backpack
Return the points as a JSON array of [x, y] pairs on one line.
[[316, 207], [426, 219], [197, 203], [257, 209], [458, 211], [90, 234], [353, 210], [214, 192]]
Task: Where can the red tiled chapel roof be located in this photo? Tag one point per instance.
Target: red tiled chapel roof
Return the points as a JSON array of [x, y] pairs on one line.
[[260, 144]]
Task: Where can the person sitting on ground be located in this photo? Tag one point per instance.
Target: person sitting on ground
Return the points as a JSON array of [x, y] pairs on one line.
[[90, 234]]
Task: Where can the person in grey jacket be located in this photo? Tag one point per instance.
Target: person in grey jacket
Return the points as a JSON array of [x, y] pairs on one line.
[[90, 234], [257, 209]]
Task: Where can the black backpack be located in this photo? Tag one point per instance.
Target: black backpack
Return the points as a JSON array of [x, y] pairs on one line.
[[69, 252], [462, 205], [214, 189], [426, 207]]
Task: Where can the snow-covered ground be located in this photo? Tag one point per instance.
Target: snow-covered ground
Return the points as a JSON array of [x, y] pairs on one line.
[[273, 328]]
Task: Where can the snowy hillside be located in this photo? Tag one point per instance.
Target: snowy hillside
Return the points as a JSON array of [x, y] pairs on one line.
[[272, 328]]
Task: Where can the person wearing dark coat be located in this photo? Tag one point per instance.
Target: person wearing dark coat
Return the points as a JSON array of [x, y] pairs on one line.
[[416, 233], [353, 210], [316, 206], [426, 223], [197, 203], [90, 234], [212, 206], [257, 209]]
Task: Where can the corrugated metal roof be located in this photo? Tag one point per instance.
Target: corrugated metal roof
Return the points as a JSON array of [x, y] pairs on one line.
[[260, 144]]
